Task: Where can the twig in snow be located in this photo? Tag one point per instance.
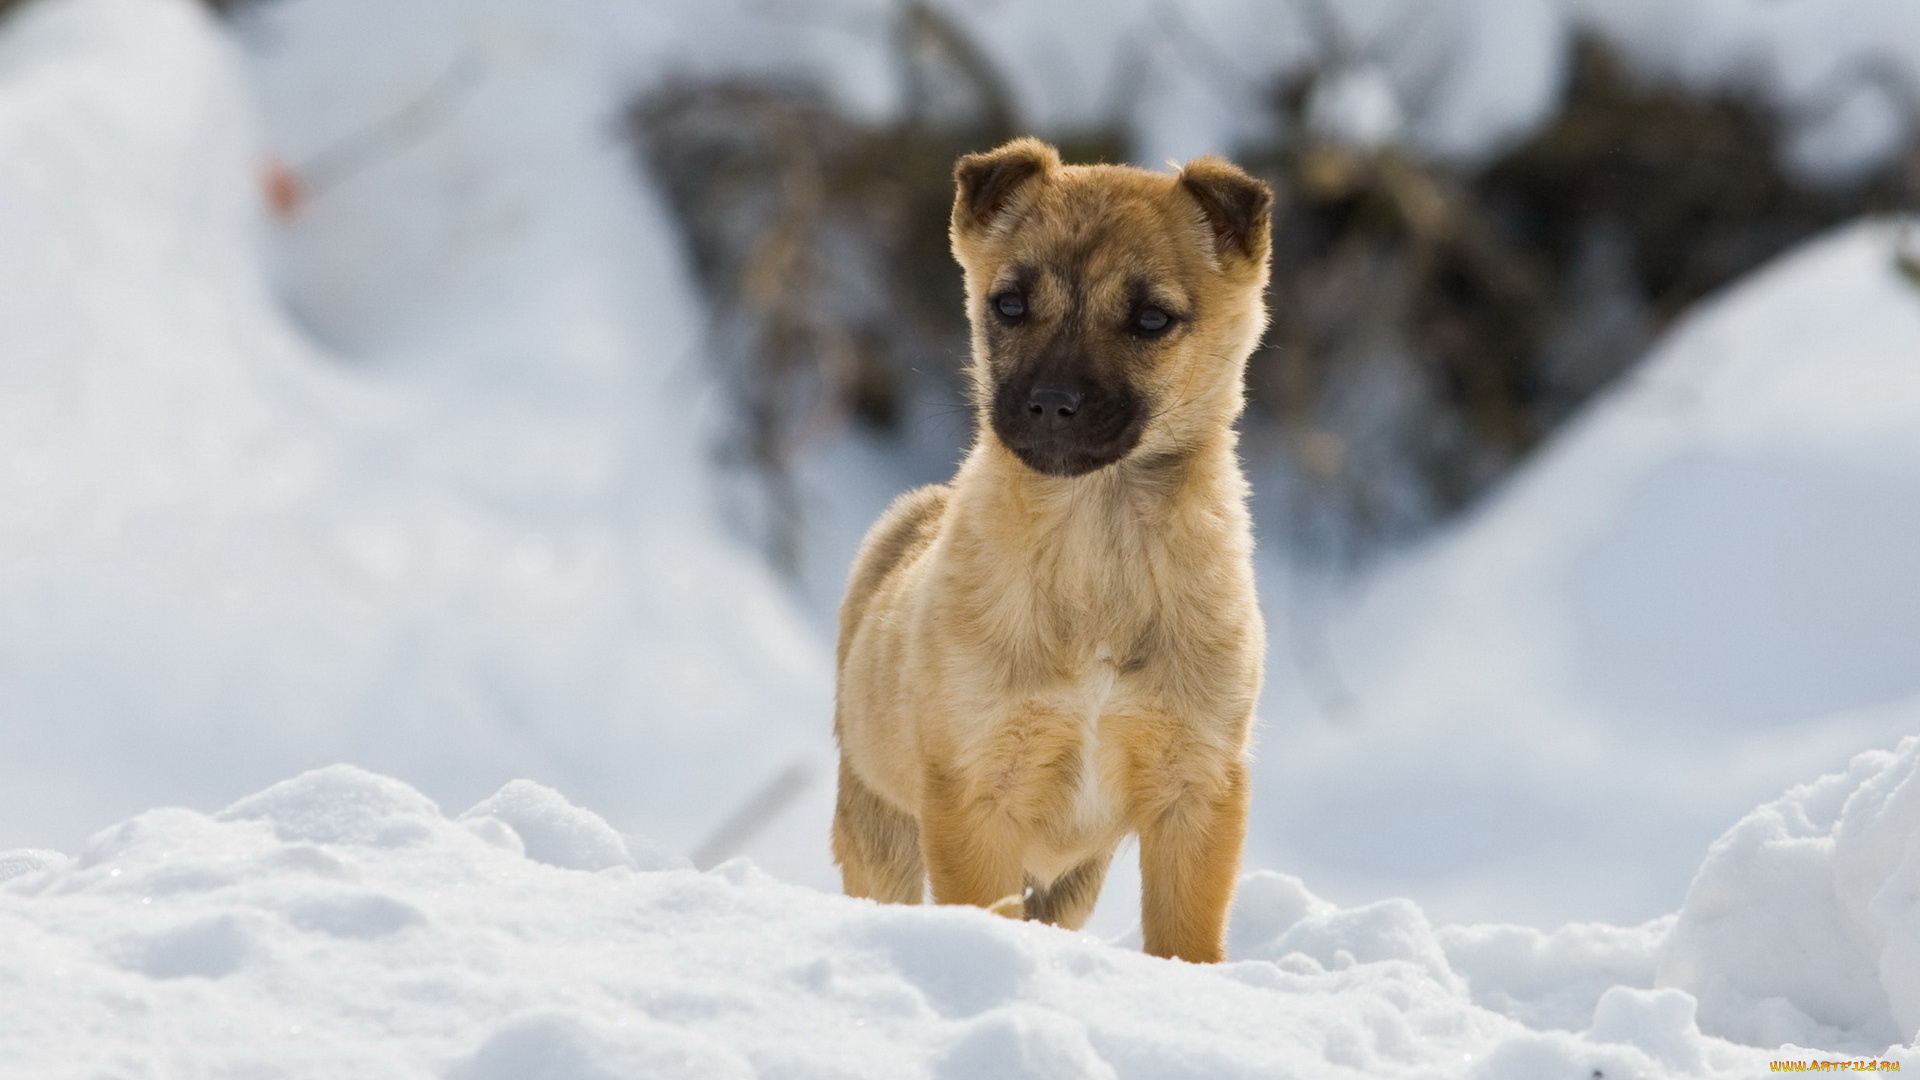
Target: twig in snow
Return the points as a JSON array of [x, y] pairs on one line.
[[743, 825], [291, 187]]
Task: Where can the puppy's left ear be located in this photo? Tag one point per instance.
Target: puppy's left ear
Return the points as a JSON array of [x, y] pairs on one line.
[[1238, 207]]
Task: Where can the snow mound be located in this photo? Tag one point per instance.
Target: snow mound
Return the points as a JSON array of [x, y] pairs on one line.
[[1803, 924], [339, 805], [1700, 592], [550, 829], [1716, 543], [338, 924]]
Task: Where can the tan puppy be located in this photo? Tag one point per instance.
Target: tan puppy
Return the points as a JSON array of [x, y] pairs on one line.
[[1062, 645]]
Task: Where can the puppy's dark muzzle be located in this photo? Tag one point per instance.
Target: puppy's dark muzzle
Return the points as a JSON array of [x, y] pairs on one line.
[[1050, 404], [1066, 429]]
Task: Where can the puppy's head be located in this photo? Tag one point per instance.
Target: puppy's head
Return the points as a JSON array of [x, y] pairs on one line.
[[1113, 308]]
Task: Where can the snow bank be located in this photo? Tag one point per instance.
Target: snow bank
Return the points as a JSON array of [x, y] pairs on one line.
[[480, 549], [338, 924]]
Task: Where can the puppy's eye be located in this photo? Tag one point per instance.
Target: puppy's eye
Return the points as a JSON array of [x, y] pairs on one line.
[[1151, 320], [1010, 305]]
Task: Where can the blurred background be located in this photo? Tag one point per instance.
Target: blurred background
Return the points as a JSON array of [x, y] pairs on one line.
[[481, 389]]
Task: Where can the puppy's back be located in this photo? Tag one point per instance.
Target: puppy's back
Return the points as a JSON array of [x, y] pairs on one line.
[[903, 532]]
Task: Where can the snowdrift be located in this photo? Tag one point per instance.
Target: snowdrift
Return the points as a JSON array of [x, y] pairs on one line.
[[337, 924], [1804, 923]]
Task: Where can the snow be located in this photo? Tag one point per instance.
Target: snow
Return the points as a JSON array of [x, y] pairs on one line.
[[1803, 924], [338, 924], [450, 520], [1356, 106]]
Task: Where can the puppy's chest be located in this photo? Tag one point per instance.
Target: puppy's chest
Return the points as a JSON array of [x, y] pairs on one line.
[[1064, 743]]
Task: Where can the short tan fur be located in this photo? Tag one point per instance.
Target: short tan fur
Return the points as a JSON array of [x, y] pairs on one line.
[[1062, 645]]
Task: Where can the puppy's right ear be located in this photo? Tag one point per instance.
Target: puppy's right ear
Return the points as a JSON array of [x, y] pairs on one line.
[[987, 182]]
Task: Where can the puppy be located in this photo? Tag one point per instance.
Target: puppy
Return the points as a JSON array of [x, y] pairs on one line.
[[1062, 645]]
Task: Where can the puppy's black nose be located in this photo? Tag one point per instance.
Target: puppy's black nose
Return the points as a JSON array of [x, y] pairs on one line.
[[1051, 401]]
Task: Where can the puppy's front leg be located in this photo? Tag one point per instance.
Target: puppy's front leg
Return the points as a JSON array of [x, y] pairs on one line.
[[1189, 861], [970, 848]]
